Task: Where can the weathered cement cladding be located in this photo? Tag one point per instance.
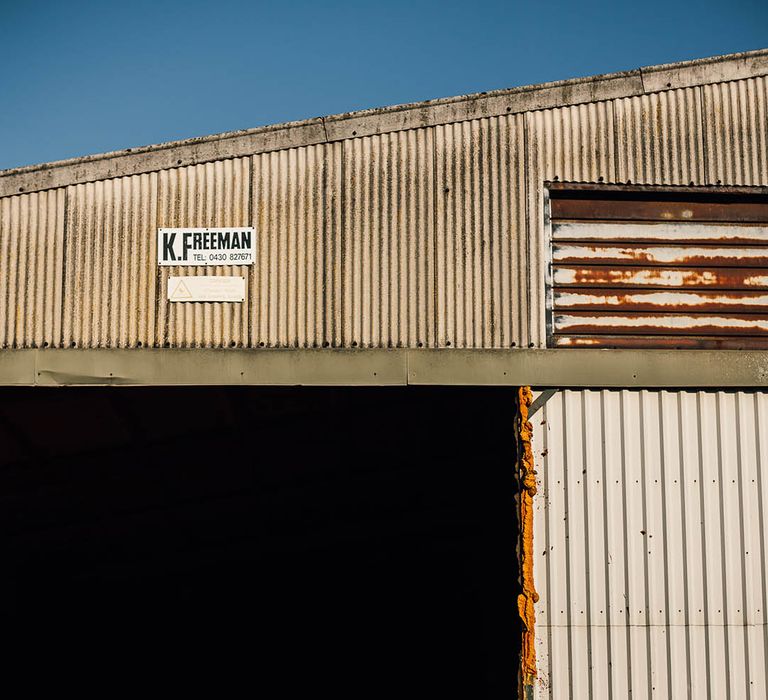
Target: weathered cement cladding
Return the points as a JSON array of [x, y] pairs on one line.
[[110, 290], [31, 257], [389, 236], [214, 194], [482, 273], [388, 240], [660, 138], [296, 281], [736, 131]]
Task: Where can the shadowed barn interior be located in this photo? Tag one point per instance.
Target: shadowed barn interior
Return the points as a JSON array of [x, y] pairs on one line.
[[352, 540]]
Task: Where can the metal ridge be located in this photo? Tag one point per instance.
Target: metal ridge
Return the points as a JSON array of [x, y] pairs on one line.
[[337, 127]]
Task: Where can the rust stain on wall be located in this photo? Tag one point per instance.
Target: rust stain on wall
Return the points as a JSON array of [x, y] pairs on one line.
[[658, 267], [528, 597]]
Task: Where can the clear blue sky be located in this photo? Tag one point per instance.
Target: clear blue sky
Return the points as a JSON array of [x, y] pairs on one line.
[[83, 77]]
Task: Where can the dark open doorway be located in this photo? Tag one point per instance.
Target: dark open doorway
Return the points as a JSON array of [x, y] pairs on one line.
[[355, 541]]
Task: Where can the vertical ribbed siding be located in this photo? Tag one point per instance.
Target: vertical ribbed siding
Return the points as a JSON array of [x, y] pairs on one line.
[[31, 258], [388, 240], [736, 127], [650, 544], [211, 195], [109, 277], [426, 237], [572, 143], [660, 138], [481, 256], [296, 281]]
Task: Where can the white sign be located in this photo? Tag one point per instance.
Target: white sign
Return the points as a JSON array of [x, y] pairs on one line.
[[206, 246], [206, 289]]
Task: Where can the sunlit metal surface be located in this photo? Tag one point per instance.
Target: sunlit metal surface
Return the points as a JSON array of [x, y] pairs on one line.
[[650, 267], [31, 260], [416, 226], [651, 557]]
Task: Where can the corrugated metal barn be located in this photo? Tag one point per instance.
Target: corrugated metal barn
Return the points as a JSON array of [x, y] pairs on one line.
[[602, 240]]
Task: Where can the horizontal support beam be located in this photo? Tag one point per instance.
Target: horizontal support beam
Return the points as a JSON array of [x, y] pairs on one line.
[[592, 368], [373, 367]]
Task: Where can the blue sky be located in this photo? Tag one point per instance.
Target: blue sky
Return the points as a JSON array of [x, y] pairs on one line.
[[83, 77]]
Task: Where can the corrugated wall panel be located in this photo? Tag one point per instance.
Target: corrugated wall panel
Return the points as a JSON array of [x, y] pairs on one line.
[[607, 292], [736, 132], [481, 258], [572, 143], [296, 278], [388, 240], [212, 195], [110, 271], [430, 236], [31, 259], [659, 138], [650, 543]]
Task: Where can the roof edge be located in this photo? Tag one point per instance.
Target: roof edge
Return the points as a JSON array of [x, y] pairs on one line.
[[134, 161]]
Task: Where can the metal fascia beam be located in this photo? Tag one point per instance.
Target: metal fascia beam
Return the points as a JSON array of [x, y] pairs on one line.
[[555, 368]]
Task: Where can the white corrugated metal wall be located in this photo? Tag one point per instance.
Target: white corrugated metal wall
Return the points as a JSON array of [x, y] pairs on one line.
[[649, 536]]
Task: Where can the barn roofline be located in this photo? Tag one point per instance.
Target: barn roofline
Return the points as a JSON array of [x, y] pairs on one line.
[[329, 129]]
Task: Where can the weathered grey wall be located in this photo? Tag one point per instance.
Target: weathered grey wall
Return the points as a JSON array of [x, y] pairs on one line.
[[411, 227]]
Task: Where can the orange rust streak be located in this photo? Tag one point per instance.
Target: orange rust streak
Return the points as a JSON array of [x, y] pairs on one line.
[[528, 598]]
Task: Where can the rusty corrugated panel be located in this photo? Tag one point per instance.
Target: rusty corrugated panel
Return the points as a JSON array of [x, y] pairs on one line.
[[482, 258], [110, 272], [649, 536], [573, 143], [651, 284], [660, 138], [629, 278], [701, 342], [388, 240], [297, 274], [214, 194], [613, 301], [697, 324], [737, 131], [612, 208], [656, 254], [678, 233], [31, 258]]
